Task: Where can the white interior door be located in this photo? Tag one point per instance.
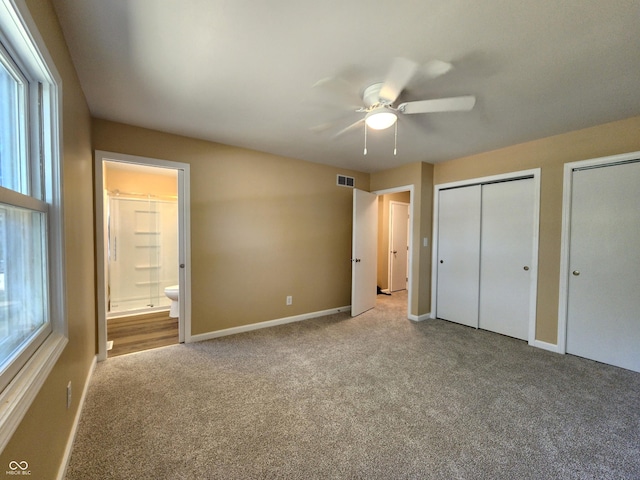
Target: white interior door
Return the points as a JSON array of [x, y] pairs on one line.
[[364, 252], [398, 243], [458, 280], [603, 323], [506, 255]]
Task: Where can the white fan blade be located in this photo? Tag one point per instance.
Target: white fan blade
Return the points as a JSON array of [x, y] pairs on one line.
[[435, 68], [344, 90], [322, 127], [402, 70], [353, 126], [453, 104]]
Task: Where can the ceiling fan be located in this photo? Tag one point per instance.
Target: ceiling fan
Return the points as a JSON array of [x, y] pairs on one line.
[[379, 108]]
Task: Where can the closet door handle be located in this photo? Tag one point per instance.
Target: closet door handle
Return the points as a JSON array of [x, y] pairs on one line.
[[576, 273], [526, 268]]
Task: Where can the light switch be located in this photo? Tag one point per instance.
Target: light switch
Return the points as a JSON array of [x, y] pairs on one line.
[[425, 242]]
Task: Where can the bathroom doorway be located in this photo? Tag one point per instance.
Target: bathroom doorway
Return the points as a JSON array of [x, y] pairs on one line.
[[143, 204]]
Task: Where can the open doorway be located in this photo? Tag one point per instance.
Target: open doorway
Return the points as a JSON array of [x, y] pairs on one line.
[[393, 241], [142, 212], [395, 232]]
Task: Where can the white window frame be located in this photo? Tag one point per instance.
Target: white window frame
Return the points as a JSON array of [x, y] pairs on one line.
[[19, 34]]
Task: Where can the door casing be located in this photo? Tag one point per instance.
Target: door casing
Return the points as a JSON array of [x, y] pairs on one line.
[[184, 241]]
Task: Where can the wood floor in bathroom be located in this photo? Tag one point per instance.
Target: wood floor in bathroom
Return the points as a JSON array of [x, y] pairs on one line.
[[141, 332]]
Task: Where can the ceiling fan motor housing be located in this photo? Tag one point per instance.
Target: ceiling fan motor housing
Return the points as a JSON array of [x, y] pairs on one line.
[[371, 95]]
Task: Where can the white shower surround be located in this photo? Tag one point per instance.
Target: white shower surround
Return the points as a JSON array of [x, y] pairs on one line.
[[143, 253]]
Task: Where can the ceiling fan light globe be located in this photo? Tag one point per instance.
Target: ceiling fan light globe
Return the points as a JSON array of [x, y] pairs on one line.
[[379, 120]]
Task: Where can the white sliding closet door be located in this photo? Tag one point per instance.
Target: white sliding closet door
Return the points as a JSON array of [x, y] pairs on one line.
[[506, 257], [459, 255], [603, 319]]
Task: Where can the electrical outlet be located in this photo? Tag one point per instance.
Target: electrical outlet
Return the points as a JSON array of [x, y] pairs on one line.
[[289, 300], [69, 395]]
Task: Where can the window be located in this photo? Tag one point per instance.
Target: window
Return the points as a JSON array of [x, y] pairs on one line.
[[32, 314], [12, 108]]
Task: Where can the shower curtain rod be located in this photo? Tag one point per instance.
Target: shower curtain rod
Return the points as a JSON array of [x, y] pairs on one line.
[[119, 193]]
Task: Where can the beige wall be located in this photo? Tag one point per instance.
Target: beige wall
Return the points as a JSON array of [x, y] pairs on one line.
[[262, 227], [42, 436], [383, 234], [420, 175], [140, 182], [550, 154]]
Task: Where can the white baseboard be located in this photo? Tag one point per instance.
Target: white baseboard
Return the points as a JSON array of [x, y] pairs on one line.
[[419, 318], [552, 347], [269, 323], [72, 436]]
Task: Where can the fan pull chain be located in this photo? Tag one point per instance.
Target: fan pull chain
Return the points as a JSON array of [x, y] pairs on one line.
[[395, 141], [365, 138]]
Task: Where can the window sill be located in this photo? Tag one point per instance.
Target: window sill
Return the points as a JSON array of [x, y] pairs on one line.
[[17, 397]]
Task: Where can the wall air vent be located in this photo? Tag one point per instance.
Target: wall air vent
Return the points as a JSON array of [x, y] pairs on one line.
[[345, 181]]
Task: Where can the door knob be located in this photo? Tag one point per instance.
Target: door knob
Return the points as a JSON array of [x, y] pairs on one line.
[[576, 273], [182, 265], [441, 261], [394, 251], [526, 268]]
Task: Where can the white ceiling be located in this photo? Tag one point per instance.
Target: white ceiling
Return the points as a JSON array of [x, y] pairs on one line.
[[241, 72]]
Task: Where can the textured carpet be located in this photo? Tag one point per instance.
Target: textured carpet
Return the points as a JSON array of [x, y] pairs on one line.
[[375, 397]]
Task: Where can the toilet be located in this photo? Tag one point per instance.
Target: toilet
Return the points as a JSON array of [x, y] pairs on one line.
[[172, 293]]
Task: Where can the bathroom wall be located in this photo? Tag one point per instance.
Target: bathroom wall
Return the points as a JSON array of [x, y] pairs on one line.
[[125, 179]]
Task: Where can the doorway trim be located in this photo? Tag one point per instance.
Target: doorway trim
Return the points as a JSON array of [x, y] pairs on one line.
[[563, 303], [533, 292], [184, 240], [412, 206]]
